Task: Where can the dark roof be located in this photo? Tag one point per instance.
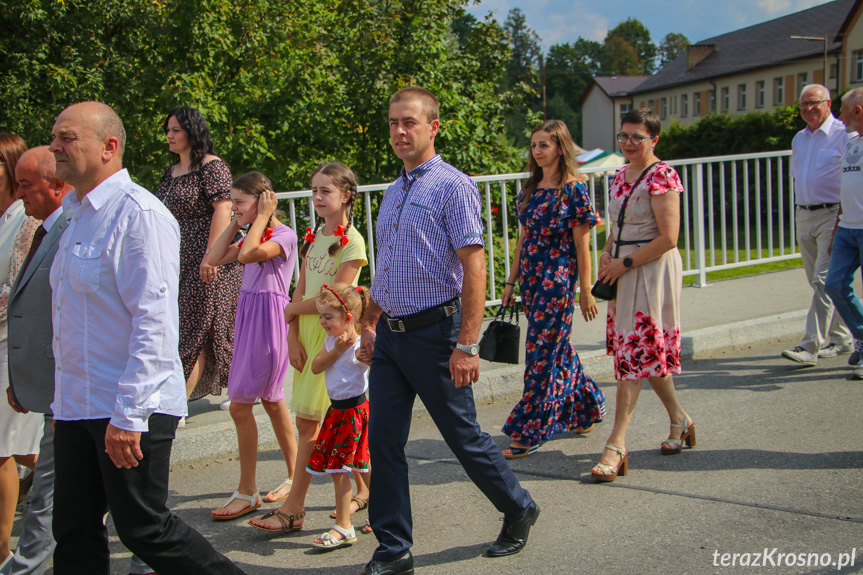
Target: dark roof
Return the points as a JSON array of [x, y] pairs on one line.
[[758, 46], [616, 86]]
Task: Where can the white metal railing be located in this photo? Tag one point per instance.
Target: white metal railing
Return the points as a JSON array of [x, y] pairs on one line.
[[736, 211]]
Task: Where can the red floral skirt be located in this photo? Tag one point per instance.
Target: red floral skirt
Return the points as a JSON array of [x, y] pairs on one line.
[[343, 443]]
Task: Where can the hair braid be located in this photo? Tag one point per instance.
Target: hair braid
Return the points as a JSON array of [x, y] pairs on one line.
[[304, 249]]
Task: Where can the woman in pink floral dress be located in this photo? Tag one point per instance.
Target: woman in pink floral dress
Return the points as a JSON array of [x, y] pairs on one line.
[[643, 330]]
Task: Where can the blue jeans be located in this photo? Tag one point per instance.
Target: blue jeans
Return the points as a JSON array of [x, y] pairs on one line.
[[847, 257]]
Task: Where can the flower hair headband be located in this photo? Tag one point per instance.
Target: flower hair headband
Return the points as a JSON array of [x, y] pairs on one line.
[[335, 293]]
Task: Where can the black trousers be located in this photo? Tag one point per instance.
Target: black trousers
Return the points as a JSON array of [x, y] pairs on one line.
[[404, 366], [87, 484]]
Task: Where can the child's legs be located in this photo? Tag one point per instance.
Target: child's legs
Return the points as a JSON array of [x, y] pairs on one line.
[[342, 484], [362, 481], [283, 426], [308, 431], [247, 439]]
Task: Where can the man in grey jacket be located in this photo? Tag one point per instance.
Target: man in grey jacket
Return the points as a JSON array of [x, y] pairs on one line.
[[31, 361]]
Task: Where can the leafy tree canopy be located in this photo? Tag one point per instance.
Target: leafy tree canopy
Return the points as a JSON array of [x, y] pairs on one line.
[[285, 86], [672, 46]]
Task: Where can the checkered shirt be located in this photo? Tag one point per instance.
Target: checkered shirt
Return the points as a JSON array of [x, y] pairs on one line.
[[426, 215]]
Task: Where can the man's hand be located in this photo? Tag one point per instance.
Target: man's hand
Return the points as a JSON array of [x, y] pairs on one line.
[[123, 447], [367, 345], [463, 368], [12, 404]]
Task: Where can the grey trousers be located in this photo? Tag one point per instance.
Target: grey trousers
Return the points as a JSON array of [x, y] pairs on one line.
[[36, 544], [823, 324]]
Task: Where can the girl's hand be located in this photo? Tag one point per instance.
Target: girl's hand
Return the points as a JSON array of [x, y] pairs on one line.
[[507, 298], [587, 303], [207, 272], [267, 204], [298, 356]]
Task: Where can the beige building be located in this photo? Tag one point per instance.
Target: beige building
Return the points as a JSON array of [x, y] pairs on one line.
[[602, 105], [756, 68]]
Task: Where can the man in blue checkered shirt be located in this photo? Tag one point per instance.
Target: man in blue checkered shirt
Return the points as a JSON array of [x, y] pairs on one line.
[[420, 333]]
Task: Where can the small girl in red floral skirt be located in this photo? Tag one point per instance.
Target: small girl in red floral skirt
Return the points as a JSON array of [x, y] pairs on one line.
[[342, 444]]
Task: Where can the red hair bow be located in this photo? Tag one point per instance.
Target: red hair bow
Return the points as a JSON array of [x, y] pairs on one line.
[[268, 235], [310, 237], [340, 231]]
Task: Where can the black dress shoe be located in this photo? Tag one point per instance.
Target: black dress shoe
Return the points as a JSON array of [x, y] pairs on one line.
[[513, 535], [404, 564]]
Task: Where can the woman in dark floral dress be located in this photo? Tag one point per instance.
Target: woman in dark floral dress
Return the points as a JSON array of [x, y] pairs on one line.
[[551, 257], [197, 191]]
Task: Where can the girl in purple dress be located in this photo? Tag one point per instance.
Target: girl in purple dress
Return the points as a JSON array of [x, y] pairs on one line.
[[260, 360]]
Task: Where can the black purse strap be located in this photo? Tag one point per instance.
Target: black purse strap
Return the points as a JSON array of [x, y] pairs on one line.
[[501, 313], [622, 213]]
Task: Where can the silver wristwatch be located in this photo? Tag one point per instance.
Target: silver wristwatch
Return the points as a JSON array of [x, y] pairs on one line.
[[468, 349]]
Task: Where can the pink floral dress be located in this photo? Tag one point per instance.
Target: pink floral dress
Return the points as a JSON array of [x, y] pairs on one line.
[[643, 328]]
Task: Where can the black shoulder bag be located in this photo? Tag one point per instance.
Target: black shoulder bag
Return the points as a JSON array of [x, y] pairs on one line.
[[602, 290]]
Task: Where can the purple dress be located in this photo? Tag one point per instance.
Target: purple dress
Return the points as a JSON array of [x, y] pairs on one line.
[[261, 335]]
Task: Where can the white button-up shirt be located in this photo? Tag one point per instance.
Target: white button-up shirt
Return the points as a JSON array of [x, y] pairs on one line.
[[816, 162], [115, 281]]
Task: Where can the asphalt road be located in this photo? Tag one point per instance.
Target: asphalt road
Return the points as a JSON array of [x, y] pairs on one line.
[[778, 466]]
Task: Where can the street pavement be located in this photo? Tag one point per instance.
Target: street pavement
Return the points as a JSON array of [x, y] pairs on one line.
[[778, 465]]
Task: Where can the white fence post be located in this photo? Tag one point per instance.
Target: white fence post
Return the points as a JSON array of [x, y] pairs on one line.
[[698, 225]]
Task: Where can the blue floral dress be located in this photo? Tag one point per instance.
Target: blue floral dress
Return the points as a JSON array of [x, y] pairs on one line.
[[558, 395]]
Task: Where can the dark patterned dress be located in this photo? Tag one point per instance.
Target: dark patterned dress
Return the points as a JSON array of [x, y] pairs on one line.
[[558, 395], [207, 310]]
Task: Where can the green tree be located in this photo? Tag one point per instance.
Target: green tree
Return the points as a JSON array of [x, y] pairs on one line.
[[284, 86], [619, 58], [672, 46], [634, 33]]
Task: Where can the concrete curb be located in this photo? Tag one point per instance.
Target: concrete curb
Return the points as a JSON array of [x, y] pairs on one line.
[[219, 440]]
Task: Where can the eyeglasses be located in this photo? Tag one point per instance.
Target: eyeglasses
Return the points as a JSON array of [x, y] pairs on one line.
[[810, 105], [635, 140]]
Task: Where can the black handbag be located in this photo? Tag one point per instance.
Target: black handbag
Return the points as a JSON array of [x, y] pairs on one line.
[[602, 290], [501, 340]]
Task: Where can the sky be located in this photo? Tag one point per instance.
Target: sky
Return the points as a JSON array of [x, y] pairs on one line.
[[562, 21]]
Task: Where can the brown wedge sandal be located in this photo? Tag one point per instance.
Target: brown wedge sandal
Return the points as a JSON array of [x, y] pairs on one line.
[[675, 446], [610, 472]]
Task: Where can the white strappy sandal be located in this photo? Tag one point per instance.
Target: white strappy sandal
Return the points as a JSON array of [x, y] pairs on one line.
[[675, 446], [610, 472], [287, 482], [329, 541], [254, 503]]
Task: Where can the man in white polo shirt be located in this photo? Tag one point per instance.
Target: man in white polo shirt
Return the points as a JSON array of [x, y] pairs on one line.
[[847, 254], [815, 154]]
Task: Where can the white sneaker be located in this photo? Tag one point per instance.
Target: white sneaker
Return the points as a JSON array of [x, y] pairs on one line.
[[834, 349], [858, 371], [182, 422], [225, 405], [800, 355]]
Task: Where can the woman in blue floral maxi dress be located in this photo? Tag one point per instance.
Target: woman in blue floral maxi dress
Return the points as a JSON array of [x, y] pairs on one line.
[[558, 395]]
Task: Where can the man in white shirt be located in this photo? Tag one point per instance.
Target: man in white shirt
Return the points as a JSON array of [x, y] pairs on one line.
[[847, 254], [119, 387], [816, 152]]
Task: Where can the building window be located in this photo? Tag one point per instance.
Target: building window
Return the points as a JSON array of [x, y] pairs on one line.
[[696, 104], [650, 105], [624, 109], [778, 91], [726, 100], [741, 96], [759, 94], [663, 109], [684, 106], [712, 103], [802, 81], [832, 71], [858, 66]]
